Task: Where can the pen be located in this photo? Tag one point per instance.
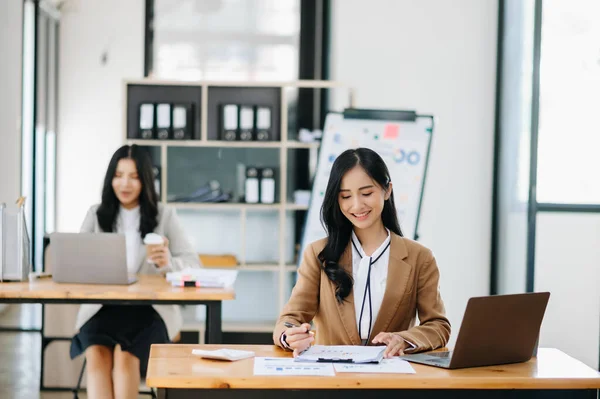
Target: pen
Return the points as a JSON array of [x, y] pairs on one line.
[[292, 325]]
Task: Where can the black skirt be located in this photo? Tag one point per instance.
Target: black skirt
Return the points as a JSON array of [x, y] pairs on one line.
[[134, 328]]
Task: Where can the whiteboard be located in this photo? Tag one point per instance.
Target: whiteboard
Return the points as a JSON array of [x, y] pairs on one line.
[[403, 145]]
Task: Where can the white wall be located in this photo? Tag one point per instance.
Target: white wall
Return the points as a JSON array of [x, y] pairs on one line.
[[11, 34], [567, 260], [435, 57], [91, 97]]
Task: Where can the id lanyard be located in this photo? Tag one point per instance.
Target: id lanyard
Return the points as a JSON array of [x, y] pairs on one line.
[[368, 289]]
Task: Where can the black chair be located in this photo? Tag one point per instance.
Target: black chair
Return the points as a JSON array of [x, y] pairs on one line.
[[76, 390]]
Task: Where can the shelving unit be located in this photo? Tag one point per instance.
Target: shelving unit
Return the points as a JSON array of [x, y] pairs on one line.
[[205, 136]]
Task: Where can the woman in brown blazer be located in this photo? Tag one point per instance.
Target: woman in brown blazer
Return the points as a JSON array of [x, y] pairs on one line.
[[364, 284]]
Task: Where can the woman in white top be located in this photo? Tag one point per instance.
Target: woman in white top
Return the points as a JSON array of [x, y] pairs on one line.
[[116, 339]]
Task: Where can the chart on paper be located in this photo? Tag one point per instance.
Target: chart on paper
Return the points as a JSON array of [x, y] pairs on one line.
[[287, 366]]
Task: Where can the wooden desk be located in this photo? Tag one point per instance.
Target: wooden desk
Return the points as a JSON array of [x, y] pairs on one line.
[[150, 290], [178, 374]]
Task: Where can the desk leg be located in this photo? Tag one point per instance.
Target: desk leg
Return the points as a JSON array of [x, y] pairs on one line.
[[214, 328], [43, 345]]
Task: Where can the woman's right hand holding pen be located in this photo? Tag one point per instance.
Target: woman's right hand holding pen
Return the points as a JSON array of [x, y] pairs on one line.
[[298, 338]]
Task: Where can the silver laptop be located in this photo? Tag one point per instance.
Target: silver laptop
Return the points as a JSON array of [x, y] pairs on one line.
[[496, 329], [89, 258]]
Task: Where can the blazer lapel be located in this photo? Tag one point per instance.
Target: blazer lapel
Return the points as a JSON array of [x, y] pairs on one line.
[[395, 288], [346, 308]]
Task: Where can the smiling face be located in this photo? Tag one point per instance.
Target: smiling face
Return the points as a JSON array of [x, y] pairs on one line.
[[126, 183], [361, 199]]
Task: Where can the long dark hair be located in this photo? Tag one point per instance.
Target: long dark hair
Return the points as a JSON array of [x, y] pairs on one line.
[[338, 227], [109, 208]]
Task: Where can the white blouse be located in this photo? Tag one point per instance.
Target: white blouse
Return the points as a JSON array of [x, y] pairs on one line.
[[360, 270], [128, 223]]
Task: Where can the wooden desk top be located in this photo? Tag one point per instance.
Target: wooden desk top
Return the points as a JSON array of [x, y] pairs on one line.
[[148, 287], [174, 366]]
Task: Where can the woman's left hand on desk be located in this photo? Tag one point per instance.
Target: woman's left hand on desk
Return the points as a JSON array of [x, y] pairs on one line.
[[395, 344]]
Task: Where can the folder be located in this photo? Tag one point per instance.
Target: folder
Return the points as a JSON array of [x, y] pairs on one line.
[[183, 121], [246, 123], [263, 123], [267, 186], [163, 121], [252, 186], [229, 122], [146, 121]]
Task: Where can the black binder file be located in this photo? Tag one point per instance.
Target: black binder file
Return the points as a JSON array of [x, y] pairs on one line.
[[182, 121], [246, 123], [163, 121], [146, 121], [229, 122], [263, 123]]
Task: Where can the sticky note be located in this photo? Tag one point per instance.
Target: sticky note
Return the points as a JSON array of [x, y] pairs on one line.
[[391, 131]]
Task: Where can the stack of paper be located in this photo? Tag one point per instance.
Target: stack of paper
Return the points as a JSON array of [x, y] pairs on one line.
[[209, 278]]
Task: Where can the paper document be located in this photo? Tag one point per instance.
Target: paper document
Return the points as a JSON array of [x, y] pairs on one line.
[[393, 365], [342, 354], [287, 366], [210, 278]]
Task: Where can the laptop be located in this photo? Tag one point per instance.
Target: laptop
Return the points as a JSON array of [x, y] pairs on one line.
[[498, 329], [89, 258]]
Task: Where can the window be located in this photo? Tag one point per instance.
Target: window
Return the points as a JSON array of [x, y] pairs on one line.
[[569, 138], [226, 39]]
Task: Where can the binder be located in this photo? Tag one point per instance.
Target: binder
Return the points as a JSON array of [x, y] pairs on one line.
[[267, 186], [182, 121], [246, 123], [229, 122], [163, 121], [146, 121], [263, 123], [252, 186]]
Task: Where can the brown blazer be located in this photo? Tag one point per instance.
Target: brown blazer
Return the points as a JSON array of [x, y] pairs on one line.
[[412, 287]]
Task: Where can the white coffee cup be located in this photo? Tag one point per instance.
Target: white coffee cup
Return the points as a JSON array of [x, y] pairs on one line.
[[152, 240]]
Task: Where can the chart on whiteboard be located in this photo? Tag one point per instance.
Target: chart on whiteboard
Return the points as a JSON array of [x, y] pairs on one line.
[[403, 145]]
